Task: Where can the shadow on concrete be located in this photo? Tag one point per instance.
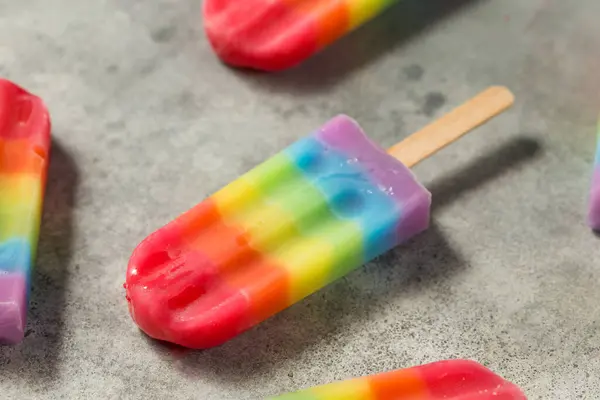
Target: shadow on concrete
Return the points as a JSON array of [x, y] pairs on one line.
[[398, 25], [426, 261], [483, 170], [36, 358]]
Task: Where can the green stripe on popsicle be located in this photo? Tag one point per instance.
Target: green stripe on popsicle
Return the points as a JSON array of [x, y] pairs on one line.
[[289, 221]]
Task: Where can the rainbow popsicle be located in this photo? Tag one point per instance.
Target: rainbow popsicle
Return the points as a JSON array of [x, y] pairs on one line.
[[448, 380], [302, 219], [309, 215], [24, 147], [273, 35], [594, 212]]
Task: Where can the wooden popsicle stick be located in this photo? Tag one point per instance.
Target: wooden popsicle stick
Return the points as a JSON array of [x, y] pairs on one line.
[[453, 125]]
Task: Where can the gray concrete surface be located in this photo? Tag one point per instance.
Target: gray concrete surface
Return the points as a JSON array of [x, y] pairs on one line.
[[147, 123]]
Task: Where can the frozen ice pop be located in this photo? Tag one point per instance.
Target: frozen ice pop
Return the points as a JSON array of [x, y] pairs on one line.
[[594, 213], [309, 215], [448, 380], [24, 147], [273, 35]]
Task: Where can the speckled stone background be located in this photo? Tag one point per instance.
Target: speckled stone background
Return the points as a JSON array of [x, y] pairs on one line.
[[146, 123]]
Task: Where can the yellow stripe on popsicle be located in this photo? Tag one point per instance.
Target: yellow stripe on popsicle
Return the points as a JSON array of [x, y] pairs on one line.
[[357, 389], [266, 225], [364, 10], [19, 203], [307, 272], [247, 205]]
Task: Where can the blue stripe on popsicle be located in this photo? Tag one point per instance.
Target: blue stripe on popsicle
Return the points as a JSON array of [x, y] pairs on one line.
[[15, 256], [350, 192]]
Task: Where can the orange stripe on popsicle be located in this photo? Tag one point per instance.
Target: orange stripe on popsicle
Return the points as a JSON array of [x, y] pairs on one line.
[[334, 23], [331, 19], [408, 383], [241, 266], [19, 156]]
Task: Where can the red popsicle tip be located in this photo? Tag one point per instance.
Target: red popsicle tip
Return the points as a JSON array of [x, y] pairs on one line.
[[177, 295], [259, 34], [24, 131], [22, 114], [467, 380]]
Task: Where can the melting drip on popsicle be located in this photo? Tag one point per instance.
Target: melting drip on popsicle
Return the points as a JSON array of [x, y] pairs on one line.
[[304, 218], [448, 380], [24, 147], [274, 35]]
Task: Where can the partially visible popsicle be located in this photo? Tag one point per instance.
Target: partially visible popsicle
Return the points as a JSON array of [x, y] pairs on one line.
[[309, 215], [273, 35], [24, 147], [448, 380], [594, 213]]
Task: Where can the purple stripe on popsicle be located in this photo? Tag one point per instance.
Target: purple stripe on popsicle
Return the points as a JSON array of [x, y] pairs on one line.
[[13, 310], [345, 134]]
